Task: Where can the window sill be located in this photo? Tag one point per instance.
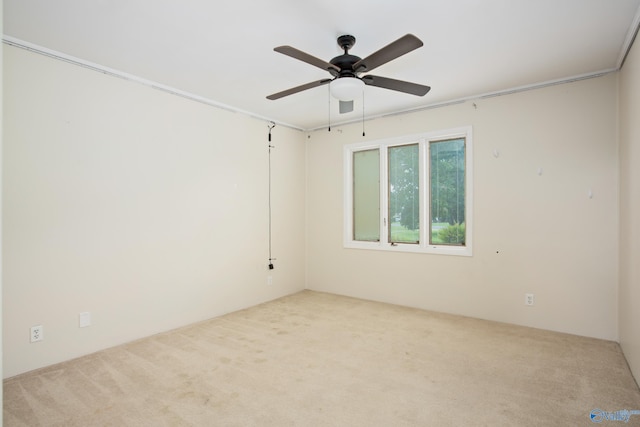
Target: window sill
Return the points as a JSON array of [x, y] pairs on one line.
[[411, 248]]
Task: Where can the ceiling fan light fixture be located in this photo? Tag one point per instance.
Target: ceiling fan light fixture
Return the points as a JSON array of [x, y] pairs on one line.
[[346, 88], [344, 83]]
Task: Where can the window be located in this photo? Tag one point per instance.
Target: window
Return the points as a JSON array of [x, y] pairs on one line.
[[410, 193], [404, 194], [366, 195]]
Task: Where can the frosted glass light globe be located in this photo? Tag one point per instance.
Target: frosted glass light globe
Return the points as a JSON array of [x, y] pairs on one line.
[[346, 88]]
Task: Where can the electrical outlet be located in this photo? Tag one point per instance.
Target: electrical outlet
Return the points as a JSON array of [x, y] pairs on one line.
[[269, 280], [37, 333], [528, 299]]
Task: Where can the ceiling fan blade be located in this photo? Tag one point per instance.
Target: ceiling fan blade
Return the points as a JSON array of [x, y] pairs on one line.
[[399, 85], [305, 57], [404, 44], [298, 89], [346, 107]]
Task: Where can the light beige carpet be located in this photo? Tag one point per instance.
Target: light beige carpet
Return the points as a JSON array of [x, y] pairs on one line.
[[315, 359]]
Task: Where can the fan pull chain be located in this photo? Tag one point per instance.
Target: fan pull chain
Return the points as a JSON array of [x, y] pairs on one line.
[[363, 112], [329, 92]]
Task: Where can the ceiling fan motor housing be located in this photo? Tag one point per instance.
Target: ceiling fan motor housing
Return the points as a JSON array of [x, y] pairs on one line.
[[345, 63]]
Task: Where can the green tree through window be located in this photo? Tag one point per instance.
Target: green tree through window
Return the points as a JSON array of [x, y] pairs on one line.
[[404, 194], [447, 192]]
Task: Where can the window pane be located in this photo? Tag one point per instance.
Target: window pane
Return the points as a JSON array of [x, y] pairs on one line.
[[404, 194], [447, 179], [366, 195]]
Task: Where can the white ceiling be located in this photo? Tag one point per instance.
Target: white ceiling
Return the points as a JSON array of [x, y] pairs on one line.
[[222, 51]]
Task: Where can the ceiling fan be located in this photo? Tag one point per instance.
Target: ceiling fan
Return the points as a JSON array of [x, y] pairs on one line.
[[346, 83]]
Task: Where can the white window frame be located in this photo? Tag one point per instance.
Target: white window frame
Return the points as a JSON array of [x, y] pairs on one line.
[[423, 141]]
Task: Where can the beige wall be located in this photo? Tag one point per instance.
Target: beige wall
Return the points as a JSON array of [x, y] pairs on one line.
[[532, 233], [630, 209], [146, 209]]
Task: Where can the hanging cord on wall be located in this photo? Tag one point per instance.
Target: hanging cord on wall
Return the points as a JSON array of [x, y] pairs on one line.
[[271, 125]]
